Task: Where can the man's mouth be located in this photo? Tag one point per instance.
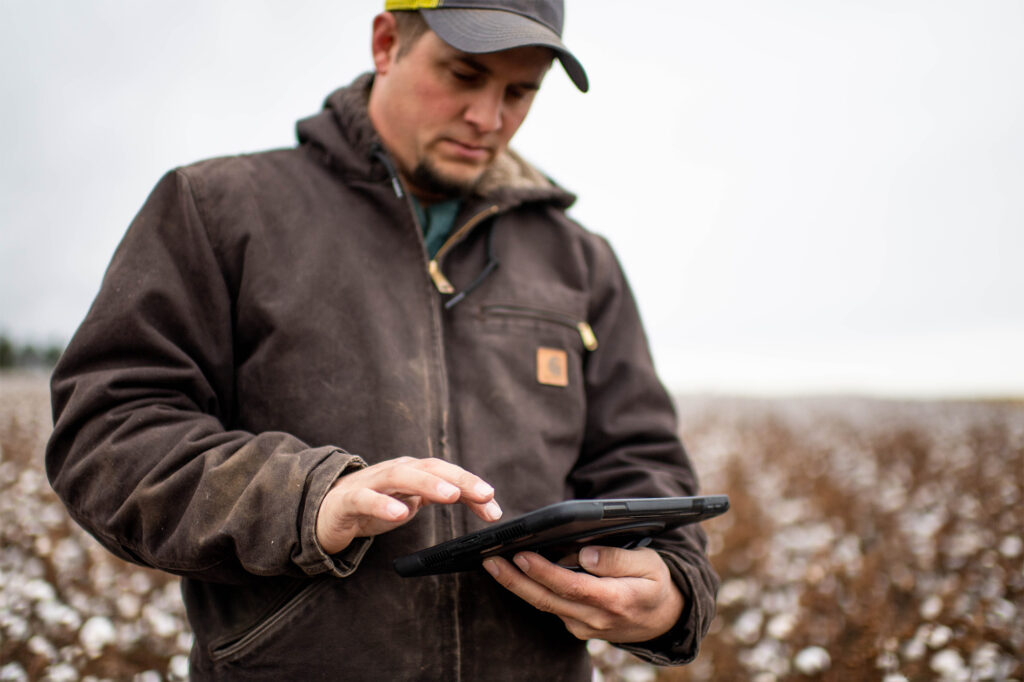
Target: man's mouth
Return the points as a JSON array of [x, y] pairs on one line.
[[467, 151]]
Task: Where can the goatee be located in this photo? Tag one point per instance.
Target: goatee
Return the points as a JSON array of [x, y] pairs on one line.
[[428, 180]]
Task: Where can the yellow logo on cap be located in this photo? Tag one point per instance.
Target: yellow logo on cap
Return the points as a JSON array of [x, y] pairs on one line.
[[395, 5]]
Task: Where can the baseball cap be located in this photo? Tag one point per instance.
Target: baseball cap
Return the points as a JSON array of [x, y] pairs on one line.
[[479, 26]]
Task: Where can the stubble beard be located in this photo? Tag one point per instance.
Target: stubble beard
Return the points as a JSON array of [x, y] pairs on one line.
[[428, 179]]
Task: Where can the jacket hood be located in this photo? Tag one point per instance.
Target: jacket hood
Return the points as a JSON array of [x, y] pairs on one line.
[[346, 140]]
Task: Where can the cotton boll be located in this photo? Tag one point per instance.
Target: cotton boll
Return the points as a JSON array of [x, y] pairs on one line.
[[747, 627], [13, 672], [179, 667], [62, 672], [781, 626], [38, 590], [931, 607], [939, 637], [949, 665], [97, 633], [1011, 546], [812, 660]]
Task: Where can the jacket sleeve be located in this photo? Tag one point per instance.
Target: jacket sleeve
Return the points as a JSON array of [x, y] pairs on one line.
[[631, 448], [140, 454]]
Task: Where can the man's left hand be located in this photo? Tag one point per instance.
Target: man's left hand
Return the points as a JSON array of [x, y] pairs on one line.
[[626, 595]]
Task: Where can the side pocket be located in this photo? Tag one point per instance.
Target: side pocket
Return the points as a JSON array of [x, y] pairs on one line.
[[238, 645]]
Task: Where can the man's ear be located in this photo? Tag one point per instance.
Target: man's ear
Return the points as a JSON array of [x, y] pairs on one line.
[[384, 42]]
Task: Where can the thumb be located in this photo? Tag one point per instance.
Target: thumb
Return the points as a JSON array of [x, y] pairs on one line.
[[613, 562]]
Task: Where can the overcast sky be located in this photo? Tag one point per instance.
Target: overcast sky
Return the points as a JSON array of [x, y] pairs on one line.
[[809, 196]]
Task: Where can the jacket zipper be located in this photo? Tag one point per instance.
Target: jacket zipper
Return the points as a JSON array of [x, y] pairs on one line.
[[434, 266], [584, 329], [445, 287]]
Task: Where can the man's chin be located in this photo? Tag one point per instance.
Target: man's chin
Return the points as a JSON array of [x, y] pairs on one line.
[[434, 181]]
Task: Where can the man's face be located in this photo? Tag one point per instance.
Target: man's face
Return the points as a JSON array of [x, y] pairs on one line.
[[445, 115]]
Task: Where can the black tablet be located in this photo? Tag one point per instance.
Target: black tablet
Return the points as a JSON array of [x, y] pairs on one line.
[[563, 528]]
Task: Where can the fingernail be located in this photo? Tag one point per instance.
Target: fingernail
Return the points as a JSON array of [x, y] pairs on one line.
[[522, 562], [445, 489], [395, 509], [483, 489], [491, 566], [492, 510], [589, 557]]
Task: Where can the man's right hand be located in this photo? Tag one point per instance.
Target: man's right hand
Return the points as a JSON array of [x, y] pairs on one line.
[[386, 495]]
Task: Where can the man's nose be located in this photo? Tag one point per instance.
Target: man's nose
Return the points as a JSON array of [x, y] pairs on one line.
[[484, 111]]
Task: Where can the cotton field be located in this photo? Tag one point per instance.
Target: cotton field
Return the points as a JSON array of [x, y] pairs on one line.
[[868, 540]]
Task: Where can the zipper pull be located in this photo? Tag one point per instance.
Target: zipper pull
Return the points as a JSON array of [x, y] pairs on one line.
[[587, 335], [440, 281]]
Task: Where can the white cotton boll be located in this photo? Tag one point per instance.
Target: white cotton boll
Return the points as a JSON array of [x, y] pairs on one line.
[[68, 556], [1001, 612], [614, 656], [128, 605], [38, 590], [747, 627], [62, 672], [13, 672], [179, 667], [887, 660], [184, 640], [1011, 546], [162, 624], [988, 663], [949, 665], [914, 649], [939, 637], [596, 647], [148, 676], [637, 673], [812, 660], [931, 607], [140, 583], [895, 677], [41, 646], [732, 591], [766, 657], [54, 613], [781, 626], [97, 633], [43, 545], [14, 627]]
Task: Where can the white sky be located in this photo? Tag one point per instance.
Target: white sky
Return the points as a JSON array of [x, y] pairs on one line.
[[809, 196]]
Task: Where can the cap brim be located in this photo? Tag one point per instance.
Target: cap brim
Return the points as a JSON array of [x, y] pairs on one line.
[[478, 31]]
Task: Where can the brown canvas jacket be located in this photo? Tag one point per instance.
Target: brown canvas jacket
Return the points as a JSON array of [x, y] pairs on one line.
[[272, 321]]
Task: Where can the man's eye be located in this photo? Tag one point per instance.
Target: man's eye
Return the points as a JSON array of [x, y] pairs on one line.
[[464, 77]]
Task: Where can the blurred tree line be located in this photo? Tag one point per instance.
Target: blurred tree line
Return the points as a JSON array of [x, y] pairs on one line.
[[27, 355]]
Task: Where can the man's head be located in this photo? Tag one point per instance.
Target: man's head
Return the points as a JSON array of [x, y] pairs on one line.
[[454, 84]]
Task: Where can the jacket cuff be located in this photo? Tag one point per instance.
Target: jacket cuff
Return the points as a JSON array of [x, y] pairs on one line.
[[312, 558], [681, 643]]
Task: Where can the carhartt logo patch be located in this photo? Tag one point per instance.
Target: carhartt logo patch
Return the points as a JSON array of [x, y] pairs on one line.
[[552, 367]]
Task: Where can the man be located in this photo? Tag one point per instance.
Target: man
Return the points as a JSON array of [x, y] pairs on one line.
[[304, 363]]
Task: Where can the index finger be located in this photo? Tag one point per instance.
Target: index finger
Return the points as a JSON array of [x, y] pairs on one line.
[[469, 484]]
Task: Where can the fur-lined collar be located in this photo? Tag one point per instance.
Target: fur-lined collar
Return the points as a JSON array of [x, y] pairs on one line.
[[344, 133]]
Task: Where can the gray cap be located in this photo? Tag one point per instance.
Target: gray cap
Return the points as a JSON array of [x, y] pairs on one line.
[[480, 26]]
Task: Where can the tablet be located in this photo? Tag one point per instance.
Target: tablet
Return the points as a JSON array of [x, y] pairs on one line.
[[563, 528]]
